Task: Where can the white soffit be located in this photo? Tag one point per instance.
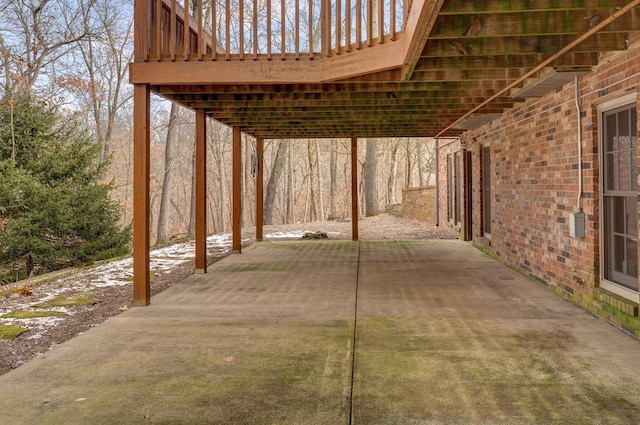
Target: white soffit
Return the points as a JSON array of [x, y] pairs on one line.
[[474, 122], [551, 80]]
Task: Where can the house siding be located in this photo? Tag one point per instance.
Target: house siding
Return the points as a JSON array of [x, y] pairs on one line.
[[534, 172]]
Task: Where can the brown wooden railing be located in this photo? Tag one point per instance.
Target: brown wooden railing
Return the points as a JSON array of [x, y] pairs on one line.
[[263, 29]]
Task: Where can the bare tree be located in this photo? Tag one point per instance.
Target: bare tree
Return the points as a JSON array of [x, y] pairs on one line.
[[274, 179], [409, 162], [36, 35], [393, 171], [371, 178], [333, 176], [167, 181], [106, 52]]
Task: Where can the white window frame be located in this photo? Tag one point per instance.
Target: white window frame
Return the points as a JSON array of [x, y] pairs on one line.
[[608, 285], [484, 172]]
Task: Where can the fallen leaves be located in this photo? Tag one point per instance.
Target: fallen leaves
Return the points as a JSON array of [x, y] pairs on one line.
[[24, 291]]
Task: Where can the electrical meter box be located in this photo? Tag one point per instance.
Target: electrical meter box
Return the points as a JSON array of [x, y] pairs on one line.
[[576, 225]]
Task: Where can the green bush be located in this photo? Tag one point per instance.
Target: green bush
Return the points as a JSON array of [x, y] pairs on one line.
[[54, 210]]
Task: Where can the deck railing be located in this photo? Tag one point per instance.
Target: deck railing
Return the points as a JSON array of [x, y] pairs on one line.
[[263, 29]]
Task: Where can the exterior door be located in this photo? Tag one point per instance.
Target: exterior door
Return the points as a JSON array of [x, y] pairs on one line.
[[468, 216]]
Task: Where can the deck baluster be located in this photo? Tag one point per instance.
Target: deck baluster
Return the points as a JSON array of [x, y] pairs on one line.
[[227, 28], [255, 29], [338, 26], [380, 30], [369, 23], [200, 43], [348, 39], [185, 32], [268, 30], [297, 52], [311, 29], [283, 30], [392, 21], [214, 30], [358, 24]]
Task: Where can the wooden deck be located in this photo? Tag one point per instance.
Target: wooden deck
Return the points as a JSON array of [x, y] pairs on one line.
[[297, 69]]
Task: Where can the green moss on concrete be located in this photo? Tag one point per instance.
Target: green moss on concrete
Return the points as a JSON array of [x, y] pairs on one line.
[[618, 311], [22, 314], [11, 332], [525, 376], [66, 301]]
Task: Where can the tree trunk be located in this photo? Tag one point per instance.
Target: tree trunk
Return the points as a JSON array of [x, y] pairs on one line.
[[167, 181], [420, 163], [313, 216], [288, 198], [333, 174], [192, 214], [371, 178], [274, 179], [391, 181], [409, 170], [319, 178]]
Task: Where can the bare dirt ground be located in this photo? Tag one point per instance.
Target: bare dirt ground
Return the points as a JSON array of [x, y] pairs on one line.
[[112, 299]]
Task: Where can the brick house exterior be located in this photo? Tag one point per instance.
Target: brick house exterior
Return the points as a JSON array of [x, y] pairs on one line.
[[418, 203], [512, 187]]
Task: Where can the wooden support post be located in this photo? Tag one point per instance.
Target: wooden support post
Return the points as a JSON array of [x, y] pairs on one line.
[[259, 190], [354, 189], [201, 191], [141, 165], [236, 177]]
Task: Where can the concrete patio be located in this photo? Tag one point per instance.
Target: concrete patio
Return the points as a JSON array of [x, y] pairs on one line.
[[339, 332]]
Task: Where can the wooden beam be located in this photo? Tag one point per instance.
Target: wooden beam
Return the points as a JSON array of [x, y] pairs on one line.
[[346, 110], [354, 189], [492, 7], [531, 22], [141, 173], [360, 62], [201, 192], [236, 177], [259, 189], [262, 71], [305, 89], [546, 45], [226, 72], [274, 106], [420, 22]]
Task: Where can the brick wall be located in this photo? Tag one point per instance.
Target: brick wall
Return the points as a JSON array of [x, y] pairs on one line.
[[446, 196], [534, 174], [419, 203]]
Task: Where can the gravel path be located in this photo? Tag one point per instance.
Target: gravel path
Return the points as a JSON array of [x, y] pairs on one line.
[[109, 285]]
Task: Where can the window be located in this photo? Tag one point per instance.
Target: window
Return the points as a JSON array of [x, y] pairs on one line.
[[458, 187], [486, 190], [450, 194], [620, 196]]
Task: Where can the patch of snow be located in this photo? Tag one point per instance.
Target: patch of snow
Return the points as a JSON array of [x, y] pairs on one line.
[[287, 235], [113, 273]]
